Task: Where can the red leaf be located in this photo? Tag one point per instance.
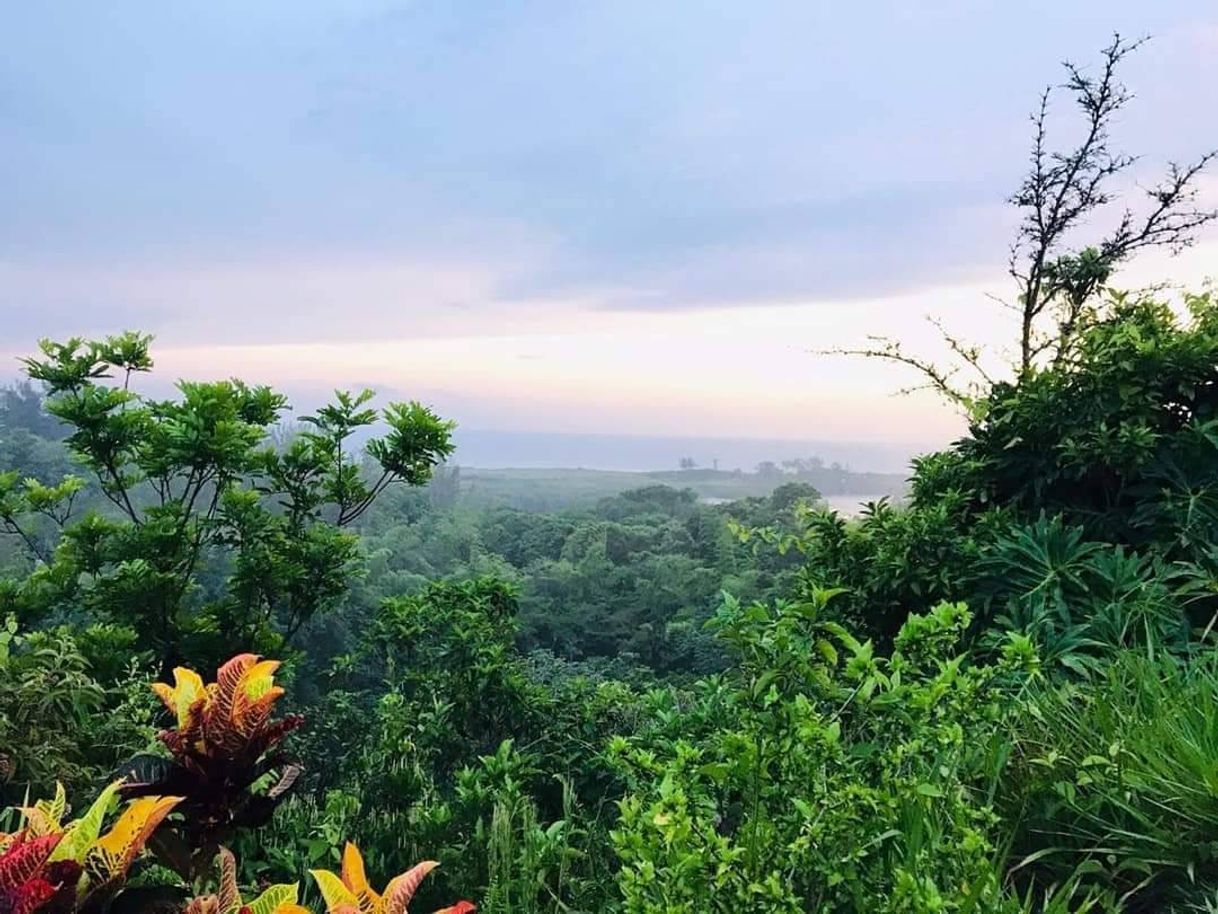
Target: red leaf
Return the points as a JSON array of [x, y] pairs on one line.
[[31, 896], [23, 861]]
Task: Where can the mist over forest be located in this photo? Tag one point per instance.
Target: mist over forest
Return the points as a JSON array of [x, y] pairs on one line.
[[642, 453]]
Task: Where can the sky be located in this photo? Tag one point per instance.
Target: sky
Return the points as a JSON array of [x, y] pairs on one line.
[[621, 217]]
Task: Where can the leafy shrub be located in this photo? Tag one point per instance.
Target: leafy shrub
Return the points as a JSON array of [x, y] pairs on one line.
[[223, 742], [467, 755], [350, 891], [1081, 600], [51, 723], [1118, 435], [818, 775]]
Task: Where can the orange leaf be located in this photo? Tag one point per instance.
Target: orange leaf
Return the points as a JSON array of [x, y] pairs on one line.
[[402, 888]]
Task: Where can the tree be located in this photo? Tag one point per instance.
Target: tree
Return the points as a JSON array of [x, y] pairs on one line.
[[211, 538], [1065, 190], [802, 466], [1120, 436], [790, 494], [1112, 448], [768, 469], [21, 408]]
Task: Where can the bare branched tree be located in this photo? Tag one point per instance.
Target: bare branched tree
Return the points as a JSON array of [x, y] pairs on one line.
[[1064, 190]]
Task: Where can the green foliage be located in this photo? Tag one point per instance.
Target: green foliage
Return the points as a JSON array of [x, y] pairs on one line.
[[212, 539], [1118, 775], [1119, 435], [633, 578], [466, 755], [52, 728], [569, 713], [1082, 600], [818, 775], [892, 562], [1115, 443], [466, 631]]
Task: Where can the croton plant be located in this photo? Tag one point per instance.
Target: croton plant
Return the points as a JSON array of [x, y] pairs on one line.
[[49, 866], [225, 769], [350, 893], [225, 760]]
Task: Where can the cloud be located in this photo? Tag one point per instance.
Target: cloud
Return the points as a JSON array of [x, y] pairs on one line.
[[542, 180], [287, 299], [690, 150]]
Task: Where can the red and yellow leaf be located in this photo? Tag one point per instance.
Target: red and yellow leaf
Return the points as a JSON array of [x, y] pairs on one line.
[[402, 888], [229, 896], [24, 859], [180, 698], [228, 685], [113, 853], [258, 679]]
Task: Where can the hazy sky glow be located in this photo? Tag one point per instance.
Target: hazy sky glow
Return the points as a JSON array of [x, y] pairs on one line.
[[626, 216]]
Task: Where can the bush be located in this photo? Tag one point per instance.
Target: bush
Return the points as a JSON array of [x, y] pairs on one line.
[[818, 775]]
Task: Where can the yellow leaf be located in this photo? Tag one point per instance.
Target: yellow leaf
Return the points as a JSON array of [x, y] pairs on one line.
[[54, 809], [258, 679], [353, 875], [333, 891], [113, 853], [187, 689]]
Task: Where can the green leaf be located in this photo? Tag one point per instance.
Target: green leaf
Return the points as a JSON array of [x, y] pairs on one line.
[[81, 834]]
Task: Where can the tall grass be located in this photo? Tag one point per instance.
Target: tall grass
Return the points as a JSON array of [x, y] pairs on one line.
[[1118, 776]]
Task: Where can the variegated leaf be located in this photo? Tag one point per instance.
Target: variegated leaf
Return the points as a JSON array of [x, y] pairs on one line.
[[23, 860], [271, 901], [229, 896], [112, 854], [333, 892], [81, 834], [402, 888]]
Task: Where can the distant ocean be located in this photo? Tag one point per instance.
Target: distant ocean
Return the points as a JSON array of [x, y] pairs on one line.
[[499, 449]]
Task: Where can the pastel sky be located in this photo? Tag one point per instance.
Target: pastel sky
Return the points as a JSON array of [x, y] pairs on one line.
[[628, 216]]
